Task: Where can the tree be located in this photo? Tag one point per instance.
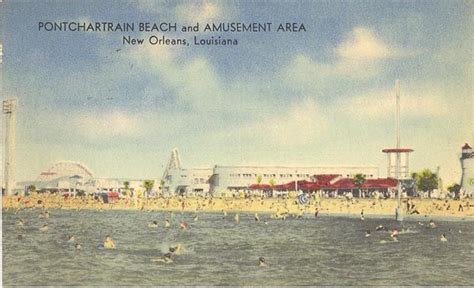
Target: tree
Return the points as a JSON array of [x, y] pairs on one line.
[[426, 181], [359, 180], [126, 185], [454, 188], [259, 179], [31, 188], [271, 182], [126, 188], [148, 185]]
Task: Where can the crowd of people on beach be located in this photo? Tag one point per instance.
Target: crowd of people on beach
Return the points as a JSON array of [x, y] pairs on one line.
[[277, 206]]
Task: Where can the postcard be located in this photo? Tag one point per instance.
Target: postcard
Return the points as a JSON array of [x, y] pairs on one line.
[[237, 143]]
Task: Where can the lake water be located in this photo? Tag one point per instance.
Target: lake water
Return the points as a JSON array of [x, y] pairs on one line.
[[329, 250]]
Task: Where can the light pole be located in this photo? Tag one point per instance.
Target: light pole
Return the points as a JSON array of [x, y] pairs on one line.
[[398, 214], [9, 109]]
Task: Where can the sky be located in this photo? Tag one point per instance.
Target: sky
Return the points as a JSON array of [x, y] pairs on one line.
[[321, 97]]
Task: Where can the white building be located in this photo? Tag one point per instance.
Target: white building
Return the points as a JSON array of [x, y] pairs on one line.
[[241, 177], [72, 177]]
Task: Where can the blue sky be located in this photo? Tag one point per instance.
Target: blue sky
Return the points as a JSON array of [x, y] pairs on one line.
[[322, 97]]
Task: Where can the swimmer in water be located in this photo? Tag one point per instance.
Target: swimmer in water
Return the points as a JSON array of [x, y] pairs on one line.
[[183, 225], [261, 262], [381, 228], [167, 258], [78, 246], [19, 222], [362, 215], [44, 215], [71, 238], [237, 217], [44, 228], [443, 238], [432, 224], [19, 237], [195, 218], [394, 235], [265, 222], [109, 242], [367, 233], [175, 249], [153, 224], [256, 217], [167, 223]]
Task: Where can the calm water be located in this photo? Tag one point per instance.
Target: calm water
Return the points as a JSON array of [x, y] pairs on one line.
[[324, 251]]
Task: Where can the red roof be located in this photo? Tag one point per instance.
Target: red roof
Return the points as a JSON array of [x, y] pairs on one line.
[[330, 181], [380, 183], [260, 186], [466, 146], [325, 179], [344, 183], [348, 183], [397, 150]]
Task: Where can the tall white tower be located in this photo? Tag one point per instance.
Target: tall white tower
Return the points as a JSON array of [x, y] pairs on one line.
[[467, 165], [397, 157], [9, 109]]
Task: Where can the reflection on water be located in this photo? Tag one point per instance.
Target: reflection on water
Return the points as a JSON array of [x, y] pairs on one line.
[[216, 251]]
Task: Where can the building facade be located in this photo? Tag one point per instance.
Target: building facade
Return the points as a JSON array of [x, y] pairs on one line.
[[241, 177]]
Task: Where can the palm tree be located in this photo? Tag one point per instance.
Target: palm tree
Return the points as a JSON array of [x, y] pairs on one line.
[[126, 186], [148, 185], [271, 182], [162, 184], [259, 179], [359, 180]]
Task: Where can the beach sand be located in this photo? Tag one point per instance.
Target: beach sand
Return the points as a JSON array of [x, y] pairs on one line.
[[276, 206]]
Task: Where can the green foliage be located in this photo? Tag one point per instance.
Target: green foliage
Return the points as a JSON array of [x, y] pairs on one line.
[[259, 179], [454, 188], [126, 185], [31, 188], [359, 180], [271, 182], [148, 185], [425, 180]]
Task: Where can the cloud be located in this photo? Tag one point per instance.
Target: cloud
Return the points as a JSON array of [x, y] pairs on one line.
[[359, 56], [200, 11], [188, 12], [194, 82], [302, 123], [107, 124], [380, 104], [363, 45]]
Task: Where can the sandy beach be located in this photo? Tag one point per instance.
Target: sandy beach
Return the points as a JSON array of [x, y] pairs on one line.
[[278, 207]]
